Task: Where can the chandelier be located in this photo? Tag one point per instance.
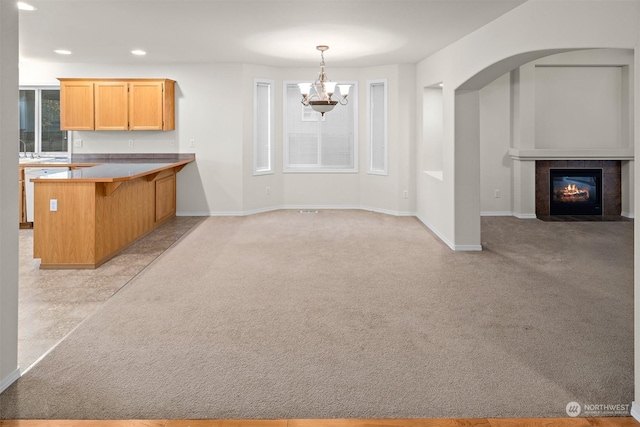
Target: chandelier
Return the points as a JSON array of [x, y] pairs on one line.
[[324, 88]]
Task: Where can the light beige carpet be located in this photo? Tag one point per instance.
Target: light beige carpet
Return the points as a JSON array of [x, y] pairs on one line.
[[352, 314]]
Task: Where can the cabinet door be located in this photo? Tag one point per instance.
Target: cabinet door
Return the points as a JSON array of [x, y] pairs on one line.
[[76, 105], [111, 106], [146, 105], [165, 197]]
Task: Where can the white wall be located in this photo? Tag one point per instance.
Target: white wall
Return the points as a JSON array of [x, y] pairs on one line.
[[385, 192], [495, 137], [578, 107], [9, 125], [255, 197]]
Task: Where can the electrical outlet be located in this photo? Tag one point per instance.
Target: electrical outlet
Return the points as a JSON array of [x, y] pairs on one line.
[[405, 194], [77, 143], [192, 143], [53, 205], [131, 143], [268, 191], [496, 194]]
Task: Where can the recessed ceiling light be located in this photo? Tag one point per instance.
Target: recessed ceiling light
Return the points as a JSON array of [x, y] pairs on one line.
[[63, 51], [24, 6], [138, 52]]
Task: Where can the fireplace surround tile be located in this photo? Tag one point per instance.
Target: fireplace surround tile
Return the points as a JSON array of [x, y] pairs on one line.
[[592, 164], [611, 166]]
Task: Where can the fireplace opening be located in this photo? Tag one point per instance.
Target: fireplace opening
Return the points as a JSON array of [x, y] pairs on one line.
[[575, 191]]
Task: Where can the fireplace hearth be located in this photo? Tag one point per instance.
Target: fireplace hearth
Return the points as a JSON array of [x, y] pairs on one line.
[[575, 191]]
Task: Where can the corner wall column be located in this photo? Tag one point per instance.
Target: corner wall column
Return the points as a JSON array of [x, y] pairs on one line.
[[9, 124], [467, 171], [635, 406], [524, 188]]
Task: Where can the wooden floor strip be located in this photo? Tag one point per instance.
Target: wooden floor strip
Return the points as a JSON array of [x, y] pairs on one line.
[[424, 422]]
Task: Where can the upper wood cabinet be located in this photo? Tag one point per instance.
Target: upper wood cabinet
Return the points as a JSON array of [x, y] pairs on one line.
[[110, 105], [117, 104], [76, 105]]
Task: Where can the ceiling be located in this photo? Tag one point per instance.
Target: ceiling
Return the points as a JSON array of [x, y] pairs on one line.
[[283, 33]]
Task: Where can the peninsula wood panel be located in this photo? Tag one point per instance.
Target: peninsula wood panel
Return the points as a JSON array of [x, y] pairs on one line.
[[123, 216], [76, 105], [111, 106], [67, 235]]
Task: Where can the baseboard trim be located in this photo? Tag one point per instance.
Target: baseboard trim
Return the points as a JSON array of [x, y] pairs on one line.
[[525, 216], [496, 213], [627, 215], [468, 248], [9, 379], [635, 411], [184, 213]]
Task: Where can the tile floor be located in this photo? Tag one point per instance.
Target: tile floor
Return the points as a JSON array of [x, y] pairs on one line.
[[53, 302]]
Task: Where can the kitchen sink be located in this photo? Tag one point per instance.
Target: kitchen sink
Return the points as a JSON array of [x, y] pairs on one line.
[[28, 160]]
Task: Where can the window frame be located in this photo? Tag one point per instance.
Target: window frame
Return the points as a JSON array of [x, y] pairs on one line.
[[352, 99], [270, 120], [370, 112], [37, 134]]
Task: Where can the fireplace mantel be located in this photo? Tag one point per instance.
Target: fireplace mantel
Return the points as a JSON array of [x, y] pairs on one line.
[[569, 154]]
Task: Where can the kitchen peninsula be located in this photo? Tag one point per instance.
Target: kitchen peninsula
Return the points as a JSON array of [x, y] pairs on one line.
[[87, 215]]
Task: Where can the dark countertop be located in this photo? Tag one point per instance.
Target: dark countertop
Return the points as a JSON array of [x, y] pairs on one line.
[[110, 168]]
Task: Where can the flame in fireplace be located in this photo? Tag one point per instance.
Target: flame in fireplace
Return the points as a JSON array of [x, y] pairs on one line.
[[571, 194], [572, 190]]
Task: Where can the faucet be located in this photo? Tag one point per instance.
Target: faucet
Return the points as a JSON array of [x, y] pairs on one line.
[[24, 145]]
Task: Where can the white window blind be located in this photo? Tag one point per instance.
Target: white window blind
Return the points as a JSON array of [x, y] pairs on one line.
[[262, 129], [313, 143], [378, 127]]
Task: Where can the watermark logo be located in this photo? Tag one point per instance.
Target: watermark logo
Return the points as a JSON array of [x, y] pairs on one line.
[[573, 409]]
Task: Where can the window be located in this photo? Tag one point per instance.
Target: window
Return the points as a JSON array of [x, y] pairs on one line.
[[378, 127], [40, 121], [315, 143], [262, 127], [433, 129]]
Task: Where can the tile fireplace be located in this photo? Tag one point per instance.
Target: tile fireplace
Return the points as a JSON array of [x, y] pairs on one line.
[[578, 187]]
